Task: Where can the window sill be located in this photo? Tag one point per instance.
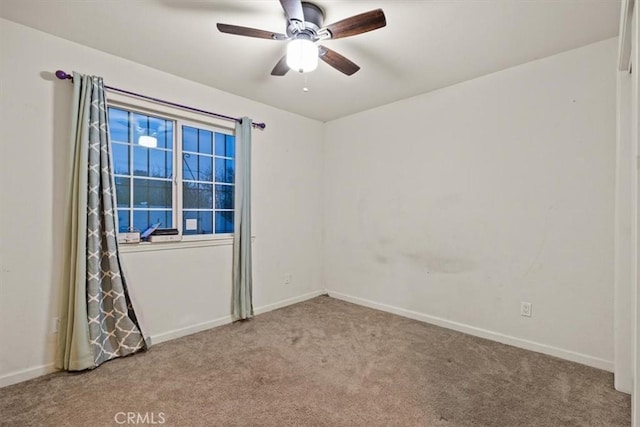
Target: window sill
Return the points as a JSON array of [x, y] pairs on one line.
[[126, 248]]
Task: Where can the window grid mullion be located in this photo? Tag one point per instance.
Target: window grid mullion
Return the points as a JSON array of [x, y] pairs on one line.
[[177, 174], [131, 189]]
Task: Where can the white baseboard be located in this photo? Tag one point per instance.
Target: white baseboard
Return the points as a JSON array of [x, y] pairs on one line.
[[192, 329], [38, 371], [288, 301], [26, 374], [188, 330], [584, 359]]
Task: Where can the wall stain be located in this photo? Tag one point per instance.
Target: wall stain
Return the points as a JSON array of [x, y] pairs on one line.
[[380, 259], [437, 264]]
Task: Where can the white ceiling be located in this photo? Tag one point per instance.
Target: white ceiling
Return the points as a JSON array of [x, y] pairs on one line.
[[426, 44]]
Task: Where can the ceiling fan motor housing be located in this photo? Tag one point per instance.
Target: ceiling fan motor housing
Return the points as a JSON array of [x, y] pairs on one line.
[[313, 19]]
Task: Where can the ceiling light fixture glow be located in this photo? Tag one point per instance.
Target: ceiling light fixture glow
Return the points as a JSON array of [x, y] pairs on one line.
[[302, 55]]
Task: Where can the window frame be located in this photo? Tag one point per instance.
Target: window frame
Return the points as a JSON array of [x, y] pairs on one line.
[[179, 188], [180, 118]]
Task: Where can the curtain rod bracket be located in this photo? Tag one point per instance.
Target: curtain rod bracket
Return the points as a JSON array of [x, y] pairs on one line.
[[62, 75]]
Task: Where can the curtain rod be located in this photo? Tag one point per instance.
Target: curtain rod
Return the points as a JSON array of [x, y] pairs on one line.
[[64, 76]]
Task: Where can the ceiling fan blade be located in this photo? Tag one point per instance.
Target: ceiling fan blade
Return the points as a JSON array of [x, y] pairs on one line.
[[293, 9], [250, 32], [357, 24], [338, 61], [281, 67]]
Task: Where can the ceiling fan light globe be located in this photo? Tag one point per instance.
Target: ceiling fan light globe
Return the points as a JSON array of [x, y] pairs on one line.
[[302, 55]]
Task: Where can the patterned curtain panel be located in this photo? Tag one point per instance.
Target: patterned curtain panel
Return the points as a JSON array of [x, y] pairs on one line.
[[97, 320], [242, 278]]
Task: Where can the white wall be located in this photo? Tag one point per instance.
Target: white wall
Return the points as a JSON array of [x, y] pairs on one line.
[[177, 291], [455, 206]]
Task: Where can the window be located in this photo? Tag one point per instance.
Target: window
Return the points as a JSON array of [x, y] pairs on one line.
[[207, 181], [195, 195]]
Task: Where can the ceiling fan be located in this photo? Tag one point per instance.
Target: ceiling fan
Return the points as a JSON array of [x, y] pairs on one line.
[[304, 29]]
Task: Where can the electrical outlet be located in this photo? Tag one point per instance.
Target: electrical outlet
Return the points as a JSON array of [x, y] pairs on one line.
[[525, 309], [55, 325], [287, 278]]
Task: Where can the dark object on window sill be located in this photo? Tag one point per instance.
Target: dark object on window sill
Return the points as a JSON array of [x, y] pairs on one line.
[[165, 232]]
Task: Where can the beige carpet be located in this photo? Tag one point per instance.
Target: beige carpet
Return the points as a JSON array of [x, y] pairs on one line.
[[325, 362]]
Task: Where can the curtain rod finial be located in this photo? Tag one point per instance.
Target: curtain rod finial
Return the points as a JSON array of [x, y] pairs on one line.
[[62, 75], [260, 125]]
